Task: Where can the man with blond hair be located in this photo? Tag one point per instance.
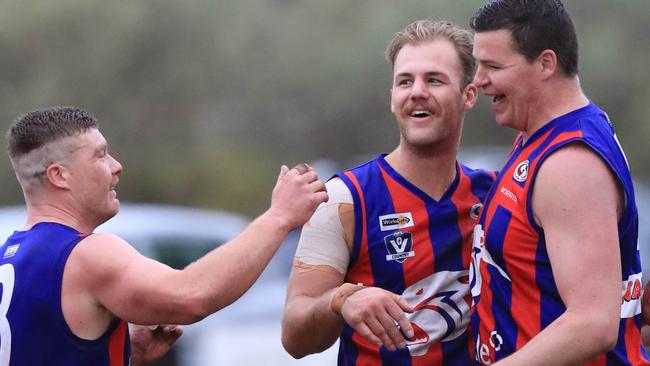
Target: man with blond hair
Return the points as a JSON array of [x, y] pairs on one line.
[[384, 263]]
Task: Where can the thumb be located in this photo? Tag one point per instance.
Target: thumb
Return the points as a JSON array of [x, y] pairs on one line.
[[283, 171]]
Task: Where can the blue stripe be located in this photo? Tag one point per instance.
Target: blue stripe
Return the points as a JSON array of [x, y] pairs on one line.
[[387, 274], [550, 306], [400, 357], [458, 349], [499, 286], [348, 351], [445, 237]]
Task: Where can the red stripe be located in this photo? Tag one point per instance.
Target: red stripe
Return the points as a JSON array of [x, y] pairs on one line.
[[116, 344], [368, 353], [361, 271], [599, 361], [484, 308], [633, 343], [422, 264], [432, 357]]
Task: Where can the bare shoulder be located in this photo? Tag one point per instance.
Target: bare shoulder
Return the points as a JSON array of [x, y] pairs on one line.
[[100, 254], [571, 179]]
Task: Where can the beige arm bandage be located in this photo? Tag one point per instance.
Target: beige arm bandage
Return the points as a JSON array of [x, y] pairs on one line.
[[322, 241]]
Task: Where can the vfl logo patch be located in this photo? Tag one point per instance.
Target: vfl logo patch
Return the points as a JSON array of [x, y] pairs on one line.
[[11, 250], [521, 171], [399, 246], [475, 211], [395, 221]]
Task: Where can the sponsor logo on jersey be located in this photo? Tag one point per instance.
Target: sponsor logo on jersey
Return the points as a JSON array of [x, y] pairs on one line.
[[399, 246], [395, 221], [521, 171], [11, 251], [506, 192], [631, 296], [475, 211]]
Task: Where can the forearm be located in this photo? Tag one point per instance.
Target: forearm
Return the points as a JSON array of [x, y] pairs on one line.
[[223, 275], [588, 334], [309, 325]]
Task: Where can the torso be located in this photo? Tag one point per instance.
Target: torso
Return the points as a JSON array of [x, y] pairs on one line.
[[514, 291], [35, 331], [410, 244]]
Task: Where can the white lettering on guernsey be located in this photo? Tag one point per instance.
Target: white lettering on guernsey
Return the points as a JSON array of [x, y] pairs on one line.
[[631, 296], [482, 353], [7, 280], [506, 192]]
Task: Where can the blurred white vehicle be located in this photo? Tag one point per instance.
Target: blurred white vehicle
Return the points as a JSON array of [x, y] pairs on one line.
[[245, 333]]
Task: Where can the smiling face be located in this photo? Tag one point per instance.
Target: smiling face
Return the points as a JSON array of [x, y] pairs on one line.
[[93, 176], [506, 77], [427, 96]]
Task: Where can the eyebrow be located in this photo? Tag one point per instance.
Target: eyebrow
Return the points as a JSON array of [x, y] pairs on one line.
[[429, 73]]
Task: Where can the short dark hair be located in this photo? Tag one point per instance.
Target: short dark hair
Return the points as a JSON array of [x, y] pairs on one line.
[[535, 25], [37, 128]]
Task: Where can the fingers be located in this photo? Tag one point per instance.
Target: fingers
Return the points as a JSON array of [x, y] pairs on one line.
[[400, 317], [378, 315], [302, 168]]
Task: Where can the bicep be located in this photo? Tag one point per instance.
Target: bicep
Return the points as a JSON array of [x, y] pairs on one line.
[[575, 202], [116, 276], [324, 240]]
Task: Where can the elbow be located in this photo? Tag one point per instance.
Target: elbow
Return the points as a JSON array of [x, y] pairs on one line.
[[193, 308], [291, 349], [290, 344]]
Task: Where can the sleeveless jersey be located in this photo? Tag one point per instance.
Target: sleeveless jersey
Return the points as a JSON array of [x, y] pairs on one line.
[[514, 292], [419, 248], [33, 331]]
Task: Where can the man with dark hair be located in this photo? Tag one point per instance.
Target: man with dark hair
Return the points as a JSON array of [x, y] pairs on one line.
[[67, 293], [395, 236], [557, 241]]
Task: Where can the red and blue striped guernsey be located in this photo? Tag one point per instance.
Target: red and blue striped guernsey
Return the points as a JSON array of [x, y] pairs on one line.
[[410, 244], [514, 292], [33, 331]]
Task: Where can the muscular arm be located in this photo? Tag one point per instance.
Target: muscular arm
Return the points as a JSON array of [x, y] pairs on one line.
[[105, 276], [576, 201], [313, 284], [372, 312]]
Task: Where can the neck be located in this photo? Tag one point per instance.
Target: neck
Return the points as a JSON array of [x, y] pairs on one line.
[[560, 97], [431, 172], [61, 214]]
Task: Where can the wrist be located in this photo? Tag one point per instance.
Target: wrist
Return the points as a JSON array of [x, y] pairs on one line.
[[275, 221], [341, 294]]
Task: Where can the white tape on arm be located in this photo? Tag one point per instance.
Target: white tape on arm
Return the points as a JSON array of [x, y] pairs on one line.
[[322, 241]]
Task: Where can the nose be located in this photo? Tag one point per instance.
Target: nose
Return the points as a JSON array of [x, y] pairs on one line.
[[116, 167], [419, 90], [480, 79]]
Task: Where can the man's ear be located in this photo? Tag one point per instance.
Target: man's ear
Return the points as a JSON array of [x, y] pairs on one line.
[[57, 175], [470, 95], [548, 63], [392, 108]]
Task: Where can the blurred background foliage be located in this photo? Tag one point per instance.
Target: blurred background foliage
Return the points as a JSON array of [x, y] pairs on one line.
[[202, 100]]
